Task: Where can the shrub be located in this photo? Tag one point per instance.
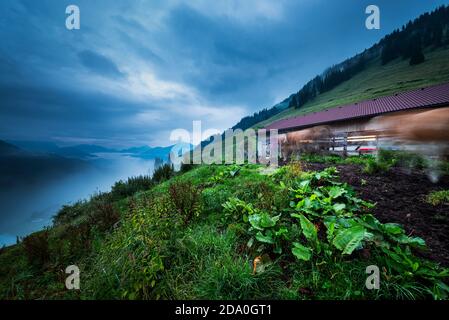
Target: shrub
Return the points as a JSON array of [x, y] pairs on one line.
[[229, 171], [214, 197], [361, 159], [335, 159], [321, 158], [186, 198], [373, 166], [436, 198], [185, 167], [36, 248], [69, 213], [402, 159], [71, 243], [104, 215], [123, 189], [260, 192], [295, 169], [130, 263], [163, 173], [444, 167]]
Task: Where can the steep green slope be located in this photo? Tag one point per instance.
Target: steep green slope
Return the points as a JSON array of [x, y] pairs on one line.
[[222, 232], [376, 81]]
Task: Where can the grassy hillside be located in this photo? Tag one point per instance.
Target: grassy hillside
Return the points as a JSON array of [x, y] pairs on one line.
[[375, 81], [222, 232]]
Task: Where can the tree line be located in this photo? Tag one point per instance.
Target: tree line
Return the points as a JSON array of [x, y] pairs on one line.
[[428, 30], [249, 121]]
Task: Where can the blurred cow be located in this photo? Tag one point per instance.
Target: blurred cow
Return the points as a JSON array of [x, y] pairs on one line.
[[428, 130], [313, 140]]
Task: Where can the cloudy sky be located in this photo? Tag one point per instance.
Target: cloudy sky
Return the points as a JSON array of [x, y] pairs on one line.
[[138, 69]]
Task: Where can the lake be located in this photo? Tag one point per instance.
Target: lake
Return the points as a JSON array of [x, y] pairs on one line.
[[25, 209]]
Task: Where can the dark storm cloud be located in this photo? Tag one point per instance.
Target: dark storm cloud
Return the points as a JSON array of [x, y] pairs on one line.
[[60, 112], [136, 70], [99, 64], [229, 57], [136, 45]]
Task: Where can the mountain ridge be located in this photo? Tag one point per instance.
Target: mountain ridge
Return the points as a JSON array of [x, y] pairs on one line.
[[419, 37], [89, 151]]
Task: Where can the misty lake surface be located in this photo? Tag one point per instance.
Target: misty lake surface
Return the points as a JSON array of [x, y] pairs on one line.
[[26, 209]]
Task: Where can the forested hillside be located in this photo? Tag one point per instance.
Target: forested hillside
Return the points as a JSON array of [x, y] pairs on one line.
[[413, 56]]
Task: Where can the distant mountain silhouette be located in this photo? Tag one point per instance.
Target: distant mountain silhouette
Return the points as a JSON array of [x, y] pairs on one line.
[[90, 151], [82, 151], [18, 166], [89, 148], [146, 152], [7, 149], [35, 146]]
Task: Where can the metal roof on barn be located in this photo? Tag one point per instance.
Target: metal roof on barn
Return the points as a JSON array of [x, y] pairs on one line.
[[434, 96]]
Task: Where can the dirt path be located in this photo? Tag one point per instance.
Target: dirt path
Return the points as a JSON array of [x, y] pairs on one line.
[[400, 198]]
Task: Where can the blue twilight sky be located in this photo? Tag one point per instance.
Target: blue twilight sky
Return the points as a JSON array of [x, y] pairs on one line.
[[138, 69]]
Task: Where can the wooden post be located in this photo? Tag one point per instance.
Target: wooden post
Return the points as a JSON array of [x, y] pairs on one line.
[[345, 145], [377, 144]]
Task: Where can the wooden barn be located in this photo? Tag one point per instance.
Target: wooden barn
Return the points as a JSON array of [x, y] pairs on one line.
[[360, 126]]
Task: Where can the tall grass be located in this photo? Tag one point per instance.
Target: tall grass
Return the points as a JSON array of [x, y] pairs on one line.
[[158, 244]]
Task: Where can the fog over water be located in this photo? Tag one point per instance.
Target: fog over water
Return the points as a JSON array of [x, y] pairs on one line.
[[25, 209]]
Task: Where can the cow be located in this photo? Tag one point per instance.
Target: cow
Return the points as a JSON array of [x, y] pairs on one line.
[[426, 130], [425, 126], [312, 140]]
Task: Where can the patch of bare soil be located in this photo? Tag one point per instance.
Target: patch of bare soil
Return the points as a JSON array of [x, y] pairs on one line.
[[400, 197]]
